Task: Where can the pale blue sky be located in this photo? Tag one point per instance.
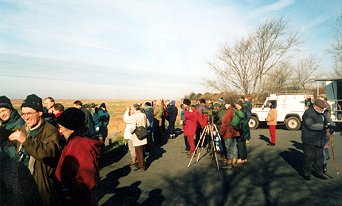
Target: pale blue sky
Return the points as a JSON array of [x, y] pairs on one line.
[[133, 49]]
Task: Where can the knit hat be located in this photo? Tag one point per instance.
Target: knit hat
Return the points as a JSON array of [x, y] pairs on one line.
[[216, 105], [5, 102], [239, 102], [173, 102], [103, 105], [72, 118], [320, 103], [34, 102], [187, 102]]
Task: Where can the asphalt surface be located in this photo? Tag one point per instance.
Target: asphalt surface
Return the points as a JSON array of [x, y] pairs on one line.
[[271, 176]]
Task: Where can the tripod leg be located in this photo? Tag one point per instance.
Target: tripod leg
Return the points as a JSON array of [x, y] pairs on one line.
[[199, 142], [202, 140], [214, 147]]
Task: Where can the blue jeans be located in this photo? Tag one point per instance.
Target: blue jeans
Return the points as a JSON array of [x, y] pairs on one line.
[[231, 148]]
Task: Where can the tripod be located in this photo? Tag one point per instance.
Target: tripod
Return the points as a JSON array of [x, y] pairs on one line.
[[211, 130]]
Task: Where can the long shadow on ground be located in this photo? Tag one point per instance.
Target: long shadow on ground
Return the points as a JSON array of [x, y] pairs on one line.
[[112, 155], [264, 181]]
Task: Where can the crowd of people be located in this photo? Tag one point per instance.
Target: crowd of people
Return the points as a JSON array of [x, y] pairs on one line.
[[58, 149], [231, 122]]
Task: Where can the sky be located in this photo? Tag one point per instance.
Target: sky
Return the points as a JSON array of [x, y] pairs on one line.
[[133, 49]]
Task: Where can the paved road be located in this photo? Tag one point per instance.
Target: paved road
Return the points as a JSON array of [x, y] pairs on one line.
[[271, 177]]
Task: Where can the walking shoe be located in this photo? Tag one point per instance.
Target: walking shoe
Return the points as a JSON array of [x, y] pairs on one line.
[[185, 151], [189, 155], [227, 166], [322, 177], [139, 169], [271, 144], [325, 170]]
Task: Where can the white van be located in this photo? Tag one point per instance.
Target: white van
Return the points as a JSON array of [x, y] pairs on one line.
[[290, 109]]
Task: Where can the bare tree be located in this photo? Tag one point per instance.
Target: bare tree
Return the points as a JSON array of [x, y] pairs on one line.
[[337, 47], [304, 71], [278, 79], [242, 67]]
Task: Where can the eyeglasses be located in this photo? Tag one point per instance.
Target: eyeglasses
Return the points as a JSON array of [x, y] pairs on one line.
[[29, 114]]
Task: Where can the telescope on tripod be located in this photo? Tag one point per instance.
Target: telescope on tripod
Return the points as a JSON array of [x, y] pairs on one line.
[[214, 146]]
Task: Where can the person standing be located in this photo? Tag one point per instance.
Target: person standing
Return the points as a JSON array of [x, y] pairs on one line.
[[272, 123], [172, 112], [128, 119], [101, 120], [88, 118], [190, 126], [139, 119], [10, 120], [247, 107], [182, 123], [327, 114], [39, 145], [157, 122], [241, 140], [77, 173], [229, 134], [48, 104], [148, 110], [314, 139]]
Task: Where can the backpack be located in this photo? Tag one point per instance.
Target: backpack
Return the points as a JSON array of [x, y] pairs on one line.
[[237, 121]]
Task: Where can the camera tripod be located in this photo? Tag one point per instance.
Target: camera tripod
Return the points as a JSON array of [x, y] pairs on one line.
[[209, 130]]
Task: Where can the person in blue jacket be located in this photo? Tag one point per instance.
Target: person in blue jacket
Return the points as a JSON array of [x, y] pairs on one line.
[[101, 120]]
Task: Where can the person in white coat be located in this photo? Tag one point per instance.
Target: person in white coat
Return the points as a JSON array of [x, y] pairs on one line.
[[128, 118], [139, 119]]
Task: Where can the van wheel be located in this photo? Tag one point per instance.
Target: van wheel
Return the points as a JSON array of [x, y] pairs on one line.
[[253, 122], [292, 123]]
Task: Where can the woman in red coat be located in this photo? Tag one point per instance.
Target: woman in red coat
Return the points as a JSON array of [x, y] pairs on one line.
[[77, 172], [190, 126]]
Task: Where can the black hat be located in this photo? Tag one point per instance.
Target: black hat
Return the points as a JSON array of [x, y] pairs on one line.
[[320, 103], [5, 102], [72, 118], [187, 102], [34, 102], [103, 105]]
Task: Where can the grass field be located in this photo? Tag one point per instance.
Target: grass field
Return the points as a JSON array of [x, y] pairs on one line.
[[116, 109]]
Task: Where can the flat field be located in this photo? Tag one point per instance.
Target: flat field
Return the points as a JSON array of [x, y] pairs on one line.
[[116, 109]]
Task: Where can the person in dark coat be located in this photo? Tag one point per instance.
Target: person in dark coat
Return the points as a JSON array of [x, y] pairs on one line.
[[10, 120], [173, 112], [17, 186], [38, 142], [101, 121], [88, 118], [314, 139]]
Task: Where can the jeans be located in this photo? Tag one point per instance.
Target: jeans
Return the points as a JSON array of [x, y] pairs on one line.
[[231, 148]]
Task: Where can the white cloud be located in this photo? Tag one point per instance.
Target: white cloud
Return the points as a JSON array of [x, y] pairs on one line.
[[269, 8]]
